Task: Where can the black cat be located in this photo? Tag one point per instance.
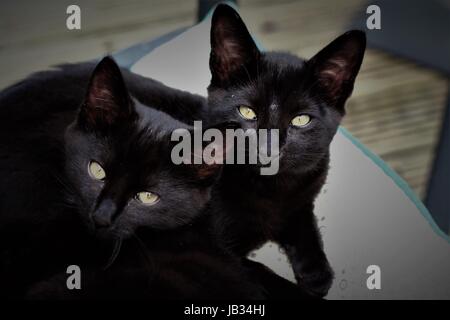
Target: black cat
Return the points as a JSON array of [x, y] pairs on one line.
[[183, 263], [85, 173], [304, 100]]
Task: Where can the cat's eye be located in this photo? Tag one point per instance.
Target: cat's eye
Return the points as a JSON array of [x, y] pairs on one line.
[[247, 113], [146, 197], [96, 171], [301, 120]]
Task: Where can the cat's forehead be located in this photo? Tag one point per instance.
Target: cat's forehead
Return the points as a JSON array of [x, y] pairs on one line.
[[140, 144], [282, 74], [278, 75], [282, 60], [276, 87], [129, 144]]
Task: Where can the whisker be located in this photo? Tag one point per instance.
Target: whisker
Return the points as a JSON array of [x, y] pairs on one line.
[[115, 253], [143, 249]]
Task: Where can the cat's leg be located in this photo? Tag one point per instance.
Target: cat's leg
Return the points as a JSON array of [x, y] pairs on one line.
[[275, 286], [302, 242]]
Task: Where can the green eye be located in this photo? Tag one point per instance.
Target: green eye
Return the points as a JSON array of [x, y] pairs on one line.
[[96, 171], [301, 120], [247, 113], [147, 197]]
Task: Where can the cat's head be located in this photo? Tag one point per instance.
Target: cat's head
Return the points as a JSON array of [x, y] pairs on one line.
[[303, 99], [118, 162]]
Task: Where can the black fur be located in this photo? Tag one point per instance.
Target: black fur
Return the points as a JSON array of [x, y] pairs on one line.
[[251, 208], [54, 214]]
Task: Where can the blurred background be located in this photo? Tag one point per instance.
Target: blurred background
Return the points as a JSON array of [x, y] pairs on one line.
[[399, 102]]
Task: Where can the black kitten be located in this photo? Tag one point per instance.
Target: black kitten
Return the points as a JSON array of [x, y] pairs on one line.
[[182, 263], [304, 100], [83, 171]]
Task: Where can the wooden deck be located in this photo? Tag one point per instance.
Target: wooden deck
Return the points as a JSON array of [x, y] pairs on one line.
[[396, 108]]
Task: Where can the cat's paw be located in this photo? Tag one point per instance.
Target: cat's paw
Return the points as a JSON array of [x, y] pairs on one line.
[[317, 282]]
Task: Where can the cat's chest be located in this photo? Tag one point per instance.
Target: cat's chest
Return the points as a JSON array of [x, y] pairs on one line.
[[268, 209]]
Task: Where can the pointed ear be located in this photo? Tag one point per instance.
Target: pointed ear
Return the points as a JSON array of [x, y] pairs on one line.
[[107, 102], [336, 66], [233, 52]]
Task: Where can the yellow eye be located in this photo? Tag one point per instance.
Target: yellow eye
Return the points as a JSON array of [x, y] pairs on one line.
[[247, 113], [301, 120], [96, 171], [147, 197]]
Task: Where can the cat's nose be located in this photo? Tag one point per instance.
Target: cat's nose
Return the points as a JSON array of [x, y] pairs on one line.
[[102, 216]]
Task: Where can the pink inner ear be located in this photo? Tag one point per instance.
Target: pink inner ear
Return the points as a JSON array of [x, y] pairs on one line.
[[229, 55], [232, 46], [334, 74], [217, 152], [218, 156], [210, 155], [101, 104]]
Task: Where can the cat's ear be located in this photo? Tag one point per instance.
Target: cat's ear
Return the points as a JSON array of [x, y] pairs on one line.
[[234, 54], [336, 66], [107, 102]]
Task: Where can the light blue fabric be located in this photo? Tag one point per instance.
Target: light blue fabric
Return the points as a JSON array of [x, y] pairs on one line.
[[402, 184]]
